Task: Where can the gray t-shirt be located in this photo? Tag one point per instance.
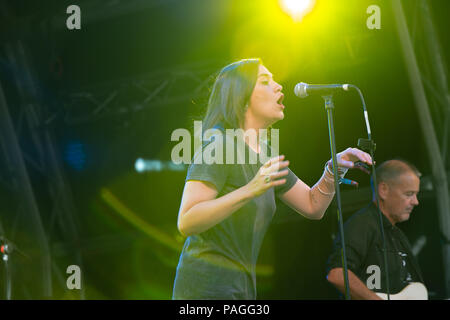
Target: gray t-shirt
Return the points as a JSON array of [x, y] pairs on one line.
[[219, 263]]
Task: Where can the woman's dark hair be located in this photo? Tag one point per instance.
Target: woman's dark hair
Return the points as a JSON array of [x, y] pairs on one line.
[[230, 94]]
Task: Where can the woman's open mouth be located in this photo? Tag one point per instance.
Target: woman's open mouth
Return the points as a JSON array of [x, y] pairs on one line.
[[280, 100]]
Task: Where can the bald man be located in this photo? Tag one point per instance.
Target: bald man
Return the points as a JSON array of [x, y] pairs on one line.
[[398, 185]]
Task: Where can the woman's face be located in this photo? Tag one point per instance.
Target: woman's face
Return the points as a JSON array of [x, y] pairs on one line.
[[266, 100]]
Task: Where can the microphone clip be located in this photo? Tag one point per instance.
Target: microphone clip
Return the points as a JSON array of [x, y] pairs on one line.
[[357, 165], [367, 145]]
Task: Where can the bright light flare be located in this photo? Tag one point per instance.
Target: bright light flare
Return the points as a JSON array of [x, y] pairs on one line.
[[139, 165], [297, 9]]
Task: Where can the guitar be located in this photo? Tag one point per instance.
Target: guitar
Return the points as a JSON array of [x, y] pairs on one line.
[[413, 291]]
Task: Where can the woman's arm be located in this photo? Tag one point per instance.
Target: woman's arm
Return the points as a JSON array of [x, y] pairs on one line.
[[201, 210], [310, 202], [313, 202]]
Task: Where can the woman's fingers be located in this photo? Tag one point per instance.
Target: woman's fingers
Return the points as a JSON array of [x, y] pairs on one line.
[[273, 172], [361, 155], [279, 174], [277, 166], [277, 182], [273, 160], [268, 175], [273, 165], [351, 155], [345, 163]]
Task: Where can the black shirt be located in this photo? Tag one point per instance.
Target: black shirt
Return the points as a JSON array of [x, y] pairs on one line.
[[364, 248], [220, 262]]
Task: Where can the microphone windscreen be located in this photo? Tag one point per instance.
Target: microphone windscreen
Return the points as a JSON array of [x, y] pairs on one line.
[[300, 90]]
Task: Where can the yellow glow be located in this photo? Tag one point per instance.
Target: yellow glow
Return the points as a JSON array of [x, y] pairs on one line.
[[297, 8], [138, 222], [274, 35], [158, 235]]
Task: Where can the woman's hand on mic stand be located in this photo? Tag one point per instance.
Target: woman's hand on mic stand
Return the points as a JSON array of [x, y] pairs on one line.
[[347, 158]]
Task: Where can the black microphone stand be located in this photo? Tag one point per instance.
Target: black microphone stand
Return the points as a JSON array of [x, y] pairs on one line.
[[329, 106]]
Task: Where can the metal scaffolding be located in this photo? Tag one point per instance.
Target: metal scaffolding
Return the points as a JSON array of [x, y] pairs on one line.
[[437, 93], [29, 150], [163, 88], [29, 147]]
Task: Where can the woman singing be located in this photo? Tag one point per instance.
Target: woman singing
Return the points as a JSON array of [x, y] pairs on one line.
[[226, 208]]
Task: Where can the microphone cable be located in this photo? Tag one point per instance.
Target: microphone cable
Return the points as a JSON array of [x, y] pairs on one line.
[[370, 146]]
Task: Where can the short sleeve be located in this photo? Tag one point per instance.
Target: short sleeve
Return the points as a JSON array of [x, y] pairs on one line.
[[291, 179], [215, 173], [357, 241]]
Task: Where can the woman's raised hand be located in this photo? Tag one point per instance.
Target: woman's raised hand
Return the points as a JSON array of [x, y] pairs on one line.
[[268, 176], [349, 156]]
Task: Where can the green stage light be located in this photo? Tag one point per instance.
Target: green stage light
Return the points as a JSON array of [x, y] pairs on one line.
[[297, 9]]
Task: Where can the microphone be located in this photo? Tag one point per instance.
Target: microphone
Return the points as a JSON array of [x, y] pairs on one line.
[[302, 90]]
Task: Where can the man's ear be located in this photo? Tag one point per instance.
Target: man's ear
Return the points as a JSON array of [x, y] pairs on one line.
[[383, 190]]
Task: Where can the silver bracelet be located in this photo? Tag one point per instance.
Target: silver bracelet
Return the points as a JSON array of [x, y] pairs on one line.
[[342, 171], [325, 193], [327, 170]]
